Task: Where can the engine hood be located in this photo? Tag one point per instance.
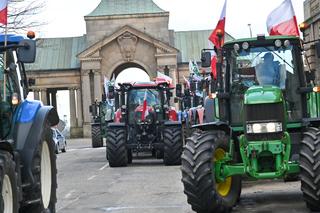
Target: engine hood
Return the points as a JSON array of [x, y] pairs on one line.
[[263, 94]]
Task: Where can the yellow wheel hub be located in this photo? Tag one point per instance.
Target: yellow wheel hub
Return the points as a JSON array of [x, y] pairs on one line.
[[223, 188]]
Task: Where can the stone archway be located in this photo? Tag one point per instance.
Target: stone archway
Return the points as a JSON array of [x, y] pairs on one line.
[[127, 47]]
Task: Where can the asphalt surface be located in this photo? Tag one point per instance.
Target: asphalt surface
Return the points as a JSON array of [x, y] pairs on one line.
[[86, 184]]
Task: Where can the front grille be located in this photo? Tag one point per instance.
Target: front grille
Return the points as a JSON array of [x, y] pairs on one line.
[[259, 113], [264, 112]]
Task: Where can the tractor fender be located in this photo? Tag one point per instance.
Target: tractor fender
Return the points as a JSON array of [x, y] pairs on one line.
[[217, 125], [29, 130]]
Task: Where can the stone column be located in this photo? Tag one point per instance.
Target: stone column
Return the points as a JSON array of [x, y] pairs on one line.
[[86, 97], [72, 107], [44, 96], [79, 108], [36, 94], [97, 86]]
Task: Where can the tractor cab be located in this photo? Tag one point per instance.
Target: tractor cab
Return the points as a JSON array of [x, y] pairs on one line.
[[13, 81], [255, 66]]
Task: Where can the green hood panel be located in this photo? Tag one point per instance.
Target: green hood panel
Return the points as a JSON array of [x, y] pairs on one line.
[[263, 94]]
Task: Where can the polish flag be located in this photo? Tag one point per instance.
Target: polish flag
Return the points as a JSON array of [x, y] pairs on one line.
[[145, 112], [3, 11], [282, 20], [219, 29]]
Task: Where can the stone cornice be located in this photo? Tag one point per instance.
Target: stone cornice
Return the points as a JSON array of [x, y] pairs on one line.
[[90, 59], [141, 15]]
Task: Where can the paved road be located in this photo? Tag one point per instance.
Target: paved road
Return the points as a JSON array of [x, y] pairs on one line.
[[86, 184]]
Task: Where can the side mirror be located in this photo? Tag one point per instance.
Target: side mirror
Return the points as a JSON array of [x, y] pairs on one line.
[[93, 109], [310, 76], [205, 59], [116, 100], [27, 51], [193, 86], [179, 90], [111, 92]]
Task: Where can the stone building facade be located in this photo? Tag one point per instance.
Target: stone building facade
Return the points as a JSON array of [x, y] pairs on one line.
[[312, 36], [120, 34]]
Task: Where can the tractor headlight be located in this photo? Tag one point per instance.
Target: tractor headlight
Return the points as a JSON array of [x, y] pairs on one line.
[[264, 127]]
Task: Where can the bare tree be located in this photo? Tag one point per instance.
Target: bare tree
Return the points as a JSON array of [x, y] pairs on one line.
[[23, 15]]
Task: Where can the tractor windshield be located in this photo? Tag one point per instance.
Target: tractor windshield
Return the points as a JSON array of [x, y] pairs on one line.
[[263, 66], [136, 98]]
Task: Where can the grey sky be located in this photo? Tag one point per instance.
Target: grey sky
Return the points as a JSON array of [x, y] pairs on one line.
[[65, 17]]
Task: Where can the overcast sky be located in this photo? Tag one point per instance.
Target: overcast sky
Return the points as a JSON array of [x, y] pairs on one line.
[[65, 17]]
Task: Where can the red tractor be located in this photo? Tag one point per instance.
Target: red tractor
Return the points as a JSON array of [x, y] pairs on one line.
[[144, 121]]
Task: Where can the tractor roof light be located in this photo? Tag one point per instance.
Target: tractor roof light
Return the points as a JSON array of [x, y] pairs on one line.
[[219, 33], [31, 35], [277, 43], [316, 89], [303, 26]]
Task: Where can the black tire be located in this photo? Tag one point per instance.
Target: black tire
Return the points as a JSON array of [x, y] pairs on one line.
[[97, 140], [9, 180], [173, 145], [116, 147], [310, 168], [41, 196], [198, 179]]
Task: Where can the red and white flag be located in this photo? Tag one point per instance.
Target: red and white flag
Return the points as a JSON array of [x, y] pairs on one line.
[[214, 38], [282, 20], [4, 12], [145, 111]]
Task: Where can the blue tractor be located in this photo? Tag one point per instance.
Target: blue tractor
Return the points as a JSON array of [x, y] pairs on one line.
[[28, 174]]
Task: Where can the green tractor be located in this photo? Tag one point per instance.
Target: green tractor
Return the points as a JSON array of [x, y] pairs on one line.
[[267, 126], [102, 113], [28, 174]]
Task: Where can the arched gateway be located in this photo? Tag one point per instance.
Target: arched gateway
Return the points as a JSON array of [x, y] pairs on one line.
[[120, 34]]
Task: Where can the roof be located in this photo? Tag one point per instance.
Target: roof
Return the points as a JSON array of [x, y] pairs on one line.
[[62, 52], [268, 38], [11, 38], [192, 50], [58, 53], [125, 7]]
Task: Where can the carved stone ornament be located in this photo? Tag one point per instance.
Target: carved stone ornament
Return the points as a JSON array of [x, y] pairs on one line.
[[128, 43]]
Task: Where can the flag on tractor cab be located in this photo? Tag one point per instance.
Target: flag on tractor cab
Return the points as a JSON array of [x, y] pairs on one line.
[[214, 38], [214, 64], [4, 12], [193, 68], [145, 111], [163, 77], [282, 20]]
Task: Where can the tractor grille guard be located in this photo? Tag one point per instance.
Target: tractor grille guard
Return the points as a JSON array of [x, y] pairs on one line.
[[260, 113]]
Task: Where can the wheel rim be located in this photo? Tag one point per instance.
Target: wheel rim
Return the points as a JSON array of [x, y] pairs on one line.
[[223, 188], [45, 175], [7, 195]]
